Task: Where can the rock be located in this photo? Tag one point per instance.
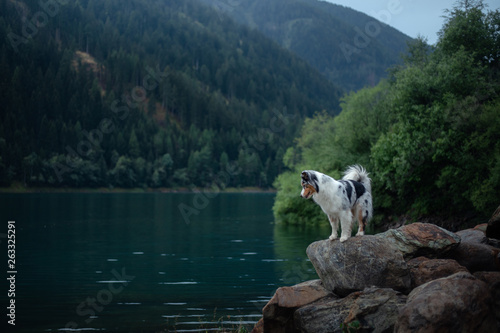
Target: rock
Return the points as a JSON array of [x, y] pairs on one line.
[[458, 303], [492, 279], [298, 295], [481, 227], [422, 239], [476, 257], [325, 316], [379, 260], [372, 274], [358, 263], [472, 236], [494, 242], [278, 312], [423, 270], [376, 310], [259, 327], [493, 229], [373, 310]]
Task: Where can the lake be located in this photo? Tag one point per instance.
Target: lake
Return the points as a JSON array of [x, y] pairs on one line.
[[149, 262]]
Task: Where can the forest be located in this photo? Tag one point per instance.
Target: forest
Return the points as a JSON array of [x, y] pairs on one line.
[[351, 49], [429, 134], [136, 93]]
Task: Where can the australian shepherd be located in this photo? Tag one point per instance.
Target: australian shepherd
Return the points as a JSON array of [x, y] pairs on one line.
[[341, 200]]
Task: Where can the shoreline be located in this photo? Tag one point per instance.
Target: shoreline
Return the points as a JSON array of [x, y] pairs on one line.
[[18, 188]]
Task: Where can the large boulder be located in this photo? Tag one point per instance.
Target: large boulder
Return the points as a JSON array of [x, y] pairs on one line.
[[380, 260], [492, 279], [493, 229], [372, 310], [376, 310], [278, 312], [423, 270], [359, 263], [458, 303], [421, 239], [476, 257], [324, 316]]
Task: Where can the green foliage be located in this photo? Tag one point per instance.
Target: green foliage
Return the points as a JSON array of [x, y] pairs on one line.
[[468, 27], [429, 136], [289, 207], [426, 163], [351, 327], [328, 145]]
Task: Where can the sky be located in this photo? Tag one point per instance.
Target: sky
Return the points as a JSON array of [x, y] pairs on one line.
[[412, 17]]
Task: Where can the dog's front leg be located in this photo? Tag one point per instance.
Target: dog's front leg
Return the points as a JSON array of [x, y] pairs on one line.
[[346, 225], [334, 222]]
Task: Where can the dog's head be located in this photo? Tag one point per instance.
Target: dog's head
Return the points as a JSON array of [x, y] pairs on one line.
[[309, 182]]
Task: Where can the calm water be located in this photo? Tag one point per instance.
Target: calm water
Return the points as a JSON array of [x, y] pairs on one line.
[[133, 263]]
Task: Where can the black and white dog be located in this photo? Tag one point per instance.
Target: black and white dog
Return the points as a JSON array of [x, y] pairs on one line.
[[341, 200]]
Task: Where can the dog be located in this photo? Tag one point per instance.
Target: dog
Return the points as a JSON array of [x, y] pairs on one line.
[[341, 200]]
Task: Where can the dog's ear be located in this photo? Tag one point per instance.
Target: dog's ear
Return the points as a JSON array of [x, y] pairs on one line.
[[305, 176]]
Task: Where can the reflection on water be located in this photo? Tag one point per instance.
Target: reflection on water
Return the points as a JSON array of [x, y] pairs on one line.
[[134, 263]]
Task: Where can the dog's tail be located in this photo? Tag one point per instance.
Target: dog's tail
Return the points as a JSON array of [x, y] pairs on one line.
[[358, 174]]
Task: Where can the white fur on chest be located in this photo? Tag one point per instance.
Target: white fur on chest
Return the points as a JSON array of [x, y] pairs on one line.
[[328, 199]]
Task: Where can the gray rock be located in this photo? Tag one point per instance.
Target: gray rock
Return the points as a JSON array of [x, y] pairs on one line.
[[366, 261], [359, 263], [422, 239], [325, 316], [372, 310], [458, 303], [473, 236]]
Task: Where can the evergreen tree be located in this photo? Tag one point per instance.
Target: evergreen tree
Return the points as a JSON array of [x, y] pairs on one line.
[[133, 145]]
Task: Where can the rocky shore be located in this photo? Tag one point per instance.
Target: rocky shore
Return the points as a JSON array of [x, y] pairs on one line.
[[417, 278]]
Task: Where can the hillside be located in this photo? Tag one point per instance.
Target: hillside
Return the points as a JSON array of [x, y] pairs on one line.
[[351, 49], [146, 93]]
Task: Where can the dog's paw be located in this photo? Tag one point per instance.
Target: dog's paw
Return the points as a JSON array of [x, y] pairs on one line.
[[333, 237], [361, 233], [343, 239]]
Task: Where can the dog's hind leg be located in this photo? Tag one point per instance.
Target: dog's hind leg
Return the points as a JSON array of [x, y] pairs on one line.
[[346, 225], [334, 222], [361, 222]]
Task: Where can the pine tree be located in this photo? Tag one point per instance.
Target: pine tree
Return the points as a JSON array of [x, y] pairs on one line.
[[133, 145]]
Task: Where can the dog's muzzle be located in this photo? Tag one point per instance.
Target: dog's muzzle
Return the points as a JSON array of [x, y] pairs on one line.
[[305, 193]]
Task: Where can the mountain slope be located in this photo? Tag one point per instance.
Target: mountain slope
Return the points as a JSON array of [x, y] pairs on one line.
[[350, 48], [146, 93]]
